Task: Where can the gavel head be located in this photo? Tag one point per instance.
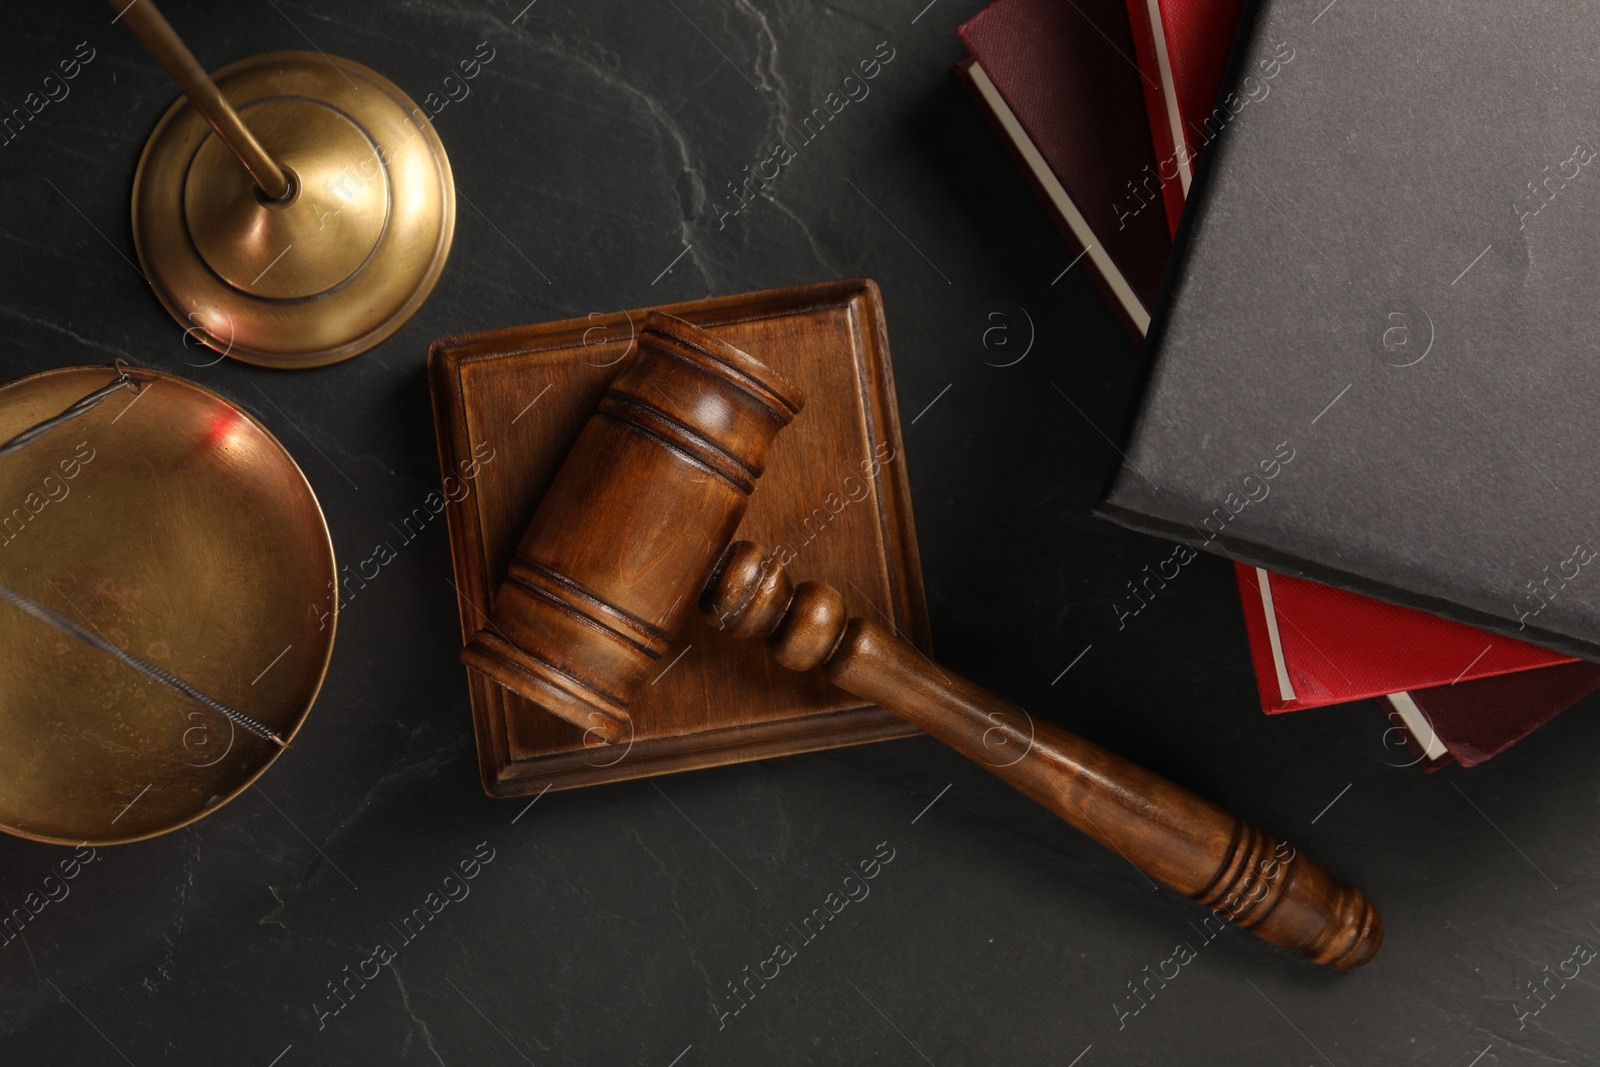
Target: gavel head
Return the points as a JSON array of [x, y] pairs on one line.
[[629, 531]]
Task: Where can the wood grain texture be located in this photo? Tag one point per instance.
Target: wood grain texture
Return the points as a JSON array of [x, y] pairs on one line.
[[514, 402], [640, 512]]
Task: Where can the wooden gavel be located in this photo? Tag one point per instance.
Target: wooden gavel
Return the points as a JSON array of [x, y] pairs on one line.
[[637, 525]]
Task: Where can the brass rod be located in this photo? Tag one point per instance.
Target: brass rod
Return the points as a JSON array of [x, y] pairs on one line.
[[157, 35]]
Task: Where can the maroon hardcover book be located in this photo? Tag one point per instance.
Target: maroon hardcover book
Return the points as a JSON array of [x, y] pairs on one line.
[[1475, 720], [1057, 82]]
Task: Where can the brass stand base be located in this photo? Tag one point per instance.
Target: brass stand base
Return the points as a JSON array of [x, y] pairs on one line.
[[333, 268]]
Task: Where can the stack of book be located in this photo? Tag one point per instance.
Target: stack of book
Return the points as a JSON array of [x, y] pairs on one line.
[[1456, 597]]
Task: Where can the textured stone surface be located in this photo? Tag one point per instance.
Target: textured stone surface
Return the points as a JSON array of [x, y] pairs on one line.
[[609, 922]]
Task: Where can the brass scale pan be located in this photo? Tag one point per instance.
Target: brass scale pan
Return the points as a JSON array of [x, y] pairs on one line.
[[176, 527]]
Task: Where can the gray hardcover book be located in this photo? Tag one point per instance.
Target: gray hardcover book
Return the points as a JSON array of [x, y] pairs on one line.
[[1377, 362]]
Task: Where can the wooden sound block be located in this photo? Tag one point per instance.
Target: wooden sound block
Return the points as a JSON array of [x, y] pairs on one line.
[[834, 504]]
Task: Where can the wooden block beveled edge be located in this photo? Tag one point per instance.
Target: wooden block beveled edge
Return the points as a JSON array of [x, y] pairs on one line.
[[502, 776]]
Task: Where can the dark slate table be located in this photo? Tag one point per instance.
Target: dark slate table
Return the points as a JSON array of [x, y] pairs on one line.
[[609, 923]]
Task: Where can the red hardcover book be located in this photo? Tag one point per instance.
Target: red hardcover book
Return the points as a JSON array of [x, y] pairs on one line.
[[1183, 50], [1056, 82], [1315, 645]]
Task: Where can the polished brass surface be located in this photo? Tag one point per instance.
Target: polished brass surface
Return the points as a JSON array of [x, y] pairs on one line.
[[336, 266], [157, 35], [336, 218], [179, 529]]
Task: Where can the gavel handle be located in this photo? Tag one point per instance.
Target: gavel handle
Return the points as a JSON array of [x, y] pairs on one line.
[[1169, 833]]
